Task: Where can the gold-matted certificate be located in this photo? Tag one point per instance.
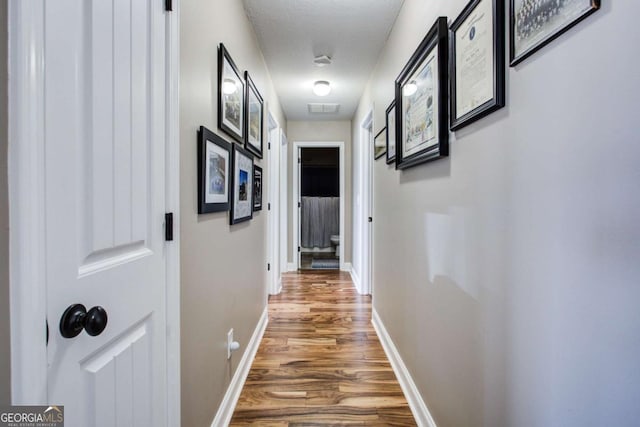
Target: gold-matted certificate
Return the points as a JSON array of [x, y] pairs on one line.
[[477, 67], [474, 59]]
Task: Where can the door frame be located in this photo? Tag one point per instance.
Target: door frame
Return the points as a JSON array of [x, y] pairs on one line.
[[274, 245], [27, 209], [295, 211], [363, 248]]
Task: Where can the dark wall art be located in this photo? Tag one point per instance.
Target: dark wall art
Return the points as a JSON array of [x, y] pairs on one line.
[[254, 106], [231, 96], [422, 120], [242, 186], [214, 161], [535, 23]]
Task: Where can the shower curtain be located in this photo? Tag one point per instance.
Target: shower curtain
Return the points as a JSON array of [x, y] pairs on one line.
[[320, 219]]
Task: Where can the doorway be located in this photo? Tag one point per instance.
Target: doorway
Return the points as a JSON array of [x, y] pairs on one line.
[[318, 208]]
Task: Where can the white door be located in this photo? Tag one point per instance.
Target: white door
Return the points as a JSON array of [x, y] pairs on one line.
[[105, 115]]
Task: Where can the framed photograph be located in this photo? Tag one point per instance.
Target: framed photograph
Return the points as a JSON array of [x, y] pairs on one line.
[[257, 188], [535, 23], [230, 96], [422, 121], [477, 62], [254, 106], [213, 172], [242, 186], [391, 132], [380, 144]]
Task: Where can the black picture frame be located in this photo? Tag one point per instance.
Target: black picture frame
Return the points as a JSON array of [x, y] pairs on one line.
[[257, 188], [241, 208], [253, 101], [231, 114], [390, 125], [214, 163], [472, 25], [522, 44], [431, 129], [380, 144]]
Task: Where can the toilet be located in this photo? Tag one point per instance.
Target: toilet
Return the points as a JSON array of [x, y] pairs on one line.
[[335, 241]]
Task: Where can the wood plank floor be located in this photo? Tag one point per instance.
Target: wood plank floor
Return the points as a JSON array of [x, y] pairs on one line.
[[320, 361]]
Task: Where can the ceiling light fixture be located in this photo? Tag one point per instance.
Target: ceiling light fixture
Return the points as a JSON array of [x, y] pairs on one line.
[[228, 86], [410, 88], [321, 88]]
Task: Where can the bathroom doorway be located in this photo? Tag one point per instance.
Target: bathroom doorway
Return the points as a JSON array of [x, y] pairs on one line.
[[319, 210]]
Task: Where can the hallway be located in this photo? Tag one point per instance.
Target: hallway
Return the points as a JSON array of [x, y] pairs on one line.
[[320, 360]]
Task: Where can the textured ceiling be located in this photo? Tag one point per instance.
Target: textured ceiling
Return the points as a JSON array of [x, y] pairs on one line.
[[292, 32]]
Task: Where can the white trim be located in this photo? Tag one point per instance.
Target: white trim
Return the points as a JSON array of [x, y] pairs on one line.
[[291, 267], [346, 266], [230, 399], [297, 145], [416, 403], [273, 200], [173, 205], [362, 205], [284, 200], [26, 203], [355, 279]]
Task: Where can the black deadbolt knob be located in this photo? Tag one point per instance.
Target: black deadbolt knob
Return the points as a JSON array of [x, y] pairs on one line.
[[96, 321], [75, 318]]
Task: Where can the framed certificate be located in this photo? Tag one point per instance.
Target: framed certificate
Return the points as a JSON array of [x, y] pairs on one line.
[[535, 23], [477, 62], [422, 124]]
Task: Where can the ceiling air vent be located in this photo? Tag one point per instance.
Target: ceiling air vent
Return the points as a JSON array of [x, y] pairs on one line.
[[320, 108]]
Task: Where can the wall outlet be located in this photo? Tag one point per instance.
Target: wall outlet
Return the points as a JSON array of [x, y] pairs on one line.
[[229, 342]]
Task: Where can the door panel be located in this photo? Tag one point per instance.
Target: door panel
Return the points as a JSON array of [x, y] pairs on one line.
[[105, 106]]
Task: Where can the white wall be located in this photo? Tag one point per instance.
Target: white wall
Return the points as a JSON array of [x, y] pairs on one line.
[[324, 131], [507, 274], [223, 267]]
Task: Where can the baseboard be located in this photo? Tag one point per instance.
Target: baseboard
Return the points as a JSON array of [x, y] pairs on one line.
[[291, 267], [346, 267], [355, 278], [418, 407], [230, 399]]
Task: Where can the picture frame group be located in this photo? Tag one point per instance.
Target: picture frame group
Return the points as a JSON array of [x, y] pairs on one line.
[[457, 74], [228, 179], [240, 104]]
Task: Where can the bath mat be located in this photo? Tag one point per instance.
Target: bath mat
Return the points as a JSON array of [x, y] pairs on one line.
[[325, 263]]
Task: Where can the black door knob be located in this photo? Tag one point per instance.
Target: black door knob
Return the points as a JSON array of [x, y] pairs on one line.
[[76, 318]]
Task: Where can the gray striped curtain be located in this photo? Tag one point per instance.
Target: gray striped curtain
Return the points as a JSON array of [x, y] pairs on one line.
[[320, 219]]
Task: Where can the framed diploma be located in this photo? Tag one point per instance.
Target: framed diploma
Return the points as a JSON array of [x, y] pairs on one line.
[[422, 124], [535, 23], [391, 132], [476, 62]]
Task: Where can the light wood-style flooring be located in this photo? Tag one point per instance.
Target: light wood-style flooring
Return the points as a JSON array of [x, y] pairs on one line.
[[320, 361]]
